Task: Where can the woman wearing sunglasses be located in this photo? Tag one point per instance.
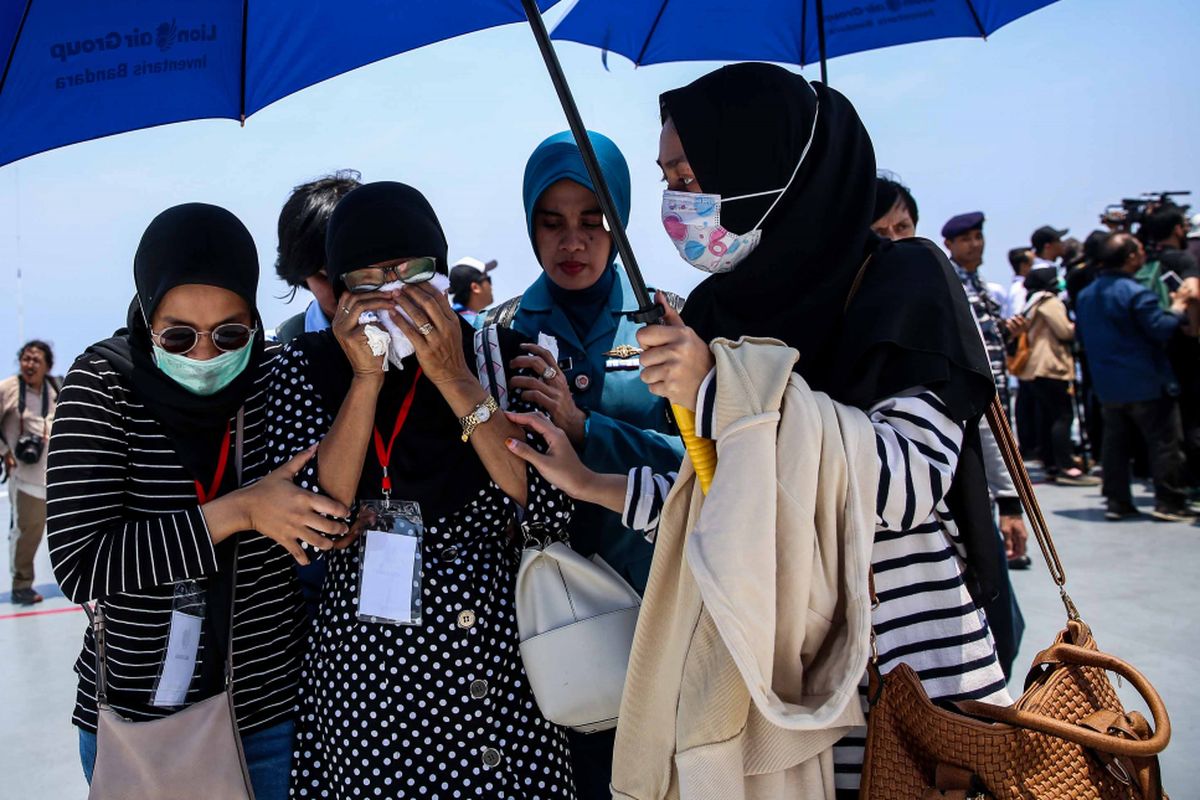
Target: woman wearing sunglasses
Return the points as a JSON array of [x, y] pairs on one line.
[[145, 512], [412, 683]]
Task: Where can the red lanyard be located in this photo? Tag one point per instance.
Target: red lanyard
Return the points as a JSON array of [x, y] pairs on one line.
[[384, 454], [222, 462]]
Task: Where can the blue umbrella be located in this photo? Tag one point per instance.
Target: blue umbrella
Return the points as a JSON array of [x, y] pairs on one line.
[[784, 31], [75, 70]]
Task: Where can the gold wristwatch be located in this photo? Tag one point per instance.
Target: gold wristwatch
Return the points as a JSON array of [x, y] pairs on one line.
[[482, 413]]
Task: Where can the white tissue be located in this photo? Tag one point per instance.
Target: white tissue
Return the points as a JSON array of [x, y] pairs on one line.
[[378, 341], [397, 344], [549, 343]]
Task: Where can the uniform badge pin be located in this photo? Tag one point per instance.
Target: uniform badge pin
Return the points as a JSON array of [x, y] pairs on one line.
[[624, 351]]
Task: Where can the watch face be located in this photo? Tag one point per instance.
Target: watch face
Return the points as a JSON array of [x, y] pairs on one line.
[[483, 414]]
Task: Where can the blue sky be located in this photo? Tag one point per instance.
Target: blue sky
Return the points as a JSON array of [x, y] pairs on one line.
[[1058, 114]]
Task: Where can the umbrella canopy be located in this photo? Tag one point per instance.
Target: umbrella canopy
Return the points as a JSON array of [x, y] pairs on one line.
[[75, 70], [783, 31]]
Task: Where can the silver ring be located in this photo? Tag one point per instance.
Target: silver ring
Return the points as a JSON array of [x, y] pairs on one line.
[[548, 373], [425, 329], [345, 309]]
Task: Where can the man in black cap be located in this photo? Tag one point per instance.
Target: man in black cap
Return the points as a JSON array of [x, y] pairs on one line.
[[471, 287], [1048, 246]]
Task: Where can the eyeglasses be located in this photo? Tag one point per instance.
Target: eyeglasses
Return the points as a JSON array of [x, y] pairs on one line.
[[371, 279], [182, 339]]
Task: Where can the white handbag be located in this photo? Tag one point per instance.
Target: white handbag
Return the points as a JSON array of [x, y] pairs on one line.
[[576, 618]]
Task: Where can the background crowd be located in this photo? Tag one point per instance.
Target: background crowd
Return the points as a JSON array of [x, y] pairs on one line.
[[1092, 344]]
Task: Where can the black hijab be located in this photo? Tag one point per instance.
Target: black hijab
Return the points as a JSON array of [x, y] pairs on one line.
[[744, 128], [863, 334], [378, 222], [191, 243], [429, 464]]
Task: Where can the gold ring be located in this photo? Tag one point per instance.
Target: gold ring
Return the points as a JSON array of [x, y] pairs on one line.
[[548, 373], [425, 329]]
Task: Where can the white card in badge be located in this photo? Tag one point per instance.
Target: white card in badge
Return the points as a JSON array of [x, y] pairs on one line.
[[183, 643], [389, 586]]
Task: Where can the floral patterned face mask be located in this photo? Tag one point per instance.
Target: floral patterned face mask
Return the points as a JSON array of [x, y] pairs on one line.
[[693, 221]]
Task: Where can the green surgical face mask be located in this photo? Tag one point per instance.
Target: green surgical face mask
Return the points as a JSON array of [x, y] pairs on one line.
[[203, 377]]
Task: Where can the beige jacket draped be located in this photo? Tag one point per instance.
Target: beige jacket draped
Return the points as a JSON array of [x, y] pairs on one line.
[[754, 631]]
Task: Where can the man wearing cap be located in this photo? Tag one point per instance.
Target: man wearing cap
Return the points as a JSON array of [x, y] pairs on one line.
[[963, 236], [471, 287], [1048, 246]]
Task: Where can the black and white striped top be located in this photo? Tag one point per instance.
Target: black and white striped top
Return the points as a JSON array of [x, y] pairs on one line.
[[926, 618], [125, 526]]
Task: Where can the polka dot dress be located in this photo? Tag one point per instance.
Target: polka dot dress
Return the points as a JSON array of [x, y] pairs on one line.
[[437, 710]]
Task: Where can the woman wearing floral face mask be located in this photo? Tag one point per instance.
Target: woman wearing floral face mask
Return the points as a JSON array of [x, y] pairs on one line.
[[771, 188], [144, 505]]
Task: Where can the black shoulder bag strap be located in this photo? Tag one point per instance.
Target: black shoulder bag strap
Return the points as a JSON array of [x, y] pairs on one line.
[[45, 401], [96, 615]]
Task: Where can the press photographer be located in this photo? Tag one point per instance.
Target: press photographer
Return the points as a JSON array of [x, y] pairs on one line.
[[27, 404]]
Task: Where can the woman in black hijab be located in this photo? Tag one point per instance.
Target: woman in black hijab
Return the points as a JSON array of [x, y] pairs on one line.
[[770, 186], [145, 512], [423, 695]]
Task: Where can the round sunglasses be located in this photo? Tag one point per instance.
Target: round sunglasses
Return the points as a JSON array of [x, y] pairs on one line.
[[182, 339], [372, 279]]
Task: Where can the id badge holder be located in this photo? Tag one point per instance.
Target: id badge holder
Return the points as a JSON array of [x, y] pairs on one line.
[[183, 642], [389, 580]]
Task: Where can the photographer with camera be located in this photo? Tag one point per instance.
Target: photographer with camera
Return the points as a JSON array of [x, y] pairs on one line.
[[27, 404]]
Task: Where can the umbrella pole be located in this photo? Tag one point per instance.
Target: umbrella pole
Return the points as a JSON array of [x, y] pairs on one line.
[[647, 312], [703, 452], [821, 40]]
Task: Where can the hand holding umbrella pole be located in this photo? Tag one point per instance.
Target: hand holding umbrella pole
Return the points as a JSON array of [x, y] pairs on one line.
[[703, 452]]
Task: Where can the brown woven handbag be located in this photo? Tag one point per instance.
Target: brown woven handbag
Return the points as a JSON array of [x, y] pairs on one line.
[[1067, 738]]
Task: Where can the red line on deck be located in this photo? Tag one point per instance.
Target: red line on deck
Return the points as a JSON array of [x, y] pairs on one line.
[[41, 613]]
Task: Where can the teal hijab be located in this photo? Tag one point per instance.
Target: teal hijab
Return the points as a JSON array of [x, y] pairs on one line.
[[558, 157]]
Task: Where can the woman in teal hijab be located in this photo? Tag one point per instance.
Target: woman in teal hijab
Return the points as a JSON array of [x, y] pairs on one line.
[[592, 390]]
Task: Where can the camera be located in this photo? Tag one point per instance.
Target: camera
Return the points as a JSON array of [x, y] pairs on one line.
[[29, 449], [1134, 210]]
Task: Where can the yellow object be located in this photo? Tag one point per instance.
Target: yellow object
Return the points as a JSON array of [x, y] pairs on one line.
[[703, 452]]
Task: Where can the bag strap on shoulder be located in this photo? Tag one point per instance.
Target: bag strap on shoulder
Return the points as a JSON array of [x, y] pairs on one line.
[[46, 385]]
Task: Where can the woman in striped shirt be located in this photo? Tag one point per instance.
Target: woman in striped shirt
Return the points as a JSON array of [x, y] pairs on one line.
[[144, 504], [880, 326]]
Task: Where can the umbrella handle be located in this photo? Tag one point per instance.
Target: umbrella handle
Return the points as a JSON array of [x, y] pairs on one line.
[[702, 452]]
